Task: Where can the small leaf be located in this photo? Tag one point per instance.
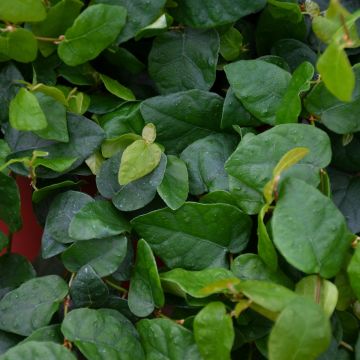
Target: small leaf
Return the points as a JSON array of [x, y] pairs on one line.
[[138, 160], [115, 88], [149, 133], [354, 272], [230, 44], [25, 112], [145, 290], [214, 332], [336, 72]]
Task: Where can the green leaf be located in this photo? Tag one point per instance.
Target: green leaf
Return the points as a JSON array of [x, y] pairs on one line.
[[321, 291], [7, 341], [101, 335], [10, 203], [112, 146], [302, 331], [227, 229], [290, 106], [32, 305], [253, 161], [245, 76], [59, 18], [103, 255], [25, 112], [159, 26], [354, 273], [44, 350], [44, 192], [211, 13], [47, 333], [205, 159], [183, 118], [163, 338], [319, 242], [61, 212], [214, 332], [14, 270], [97, 219], [115, 88], [174, 187], [181, 282], [19, 11], [145, 290], [98, 25], [230, 44], [4, 241], [87, 288], [336, 72], [19, 44], [138, 160], [184, 60]]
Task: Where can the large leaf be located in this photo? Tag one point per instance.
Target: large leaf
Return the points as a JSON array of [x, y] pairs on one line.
[[339, 116], [184, 60], [245, 76], [211, 13], [214, 332], [181, 240], [302, 331], [164, 339], [101, 335], [18, 11], [92, 32], [183, 118], [253, 161], [205, 160], [32, 305], [104, 255], [145, 290], [44, 350], [97, 219], [319, 242]]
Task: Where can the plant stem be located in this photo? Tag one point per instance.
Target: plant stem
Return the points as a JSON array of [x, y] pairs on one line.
[[10, 237], [115, 286]]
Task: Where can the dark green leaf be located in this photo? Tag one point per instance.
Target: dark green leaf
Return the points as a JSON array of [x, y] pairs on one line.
[[183, 118], [214, 332], [103, 255], [319, 242], [97, 219], [99, 25], [184, 60], [145, 290], [46, 191], [32, 305], [205, 160], [101, 335], [18, 11], [230, 44], [174, 187], [181, 240], [7, 341], [164, 339]]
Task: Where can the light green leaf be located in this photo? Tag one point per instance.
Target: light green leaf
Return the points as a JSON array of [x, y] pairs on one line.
[[321, 291], [354, 272], [302, 331], [25, 112], [319, 242], [145, 292], [174, 187], [230, 44], [92, 32], [97, 219], [336, 72], [181, 240], [111, 146], [214, 332], [149, 133], [32, 305], [19, 11], [115, 88], [138, 160]]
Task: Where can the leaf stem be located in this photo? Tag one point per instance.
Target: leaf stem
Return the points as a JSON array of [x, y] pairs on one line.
[[10, 238], [346, 346], [115, 286]]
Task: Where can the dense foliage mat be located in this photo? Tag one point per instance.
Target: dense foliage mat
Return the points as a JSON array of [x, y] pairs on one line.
[[195, 167]]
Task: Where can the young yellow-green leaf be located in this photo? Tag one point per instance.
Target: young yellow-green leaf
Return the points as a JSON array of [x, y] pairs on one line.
[[321, 291], [336, 72], [302, 331], [18, 11], [145, 290], [354, 272], [25, 112], [79, 103], [92, 32], [149, 133], [214, 332], [52, 91], [115, 88], [138, 160], [111, 146]]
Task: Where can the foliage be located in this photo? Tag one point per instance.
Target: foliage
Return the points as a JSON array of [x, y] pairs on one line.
[[221, 143]]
